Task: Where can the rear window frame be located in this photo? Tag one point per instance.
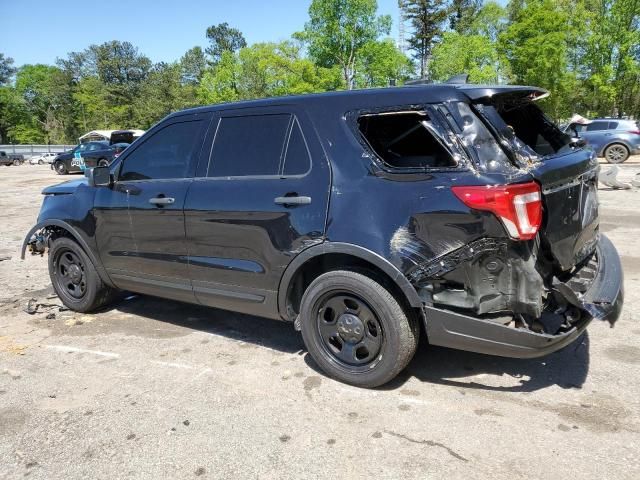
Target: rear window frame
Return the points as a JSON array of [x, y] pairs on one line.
[[459, 155], [293, 121]]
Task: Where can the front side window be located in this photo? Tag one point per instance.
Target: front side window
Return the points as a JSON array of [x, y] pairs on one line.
[[405, 140], [168, 153], [251, 145]]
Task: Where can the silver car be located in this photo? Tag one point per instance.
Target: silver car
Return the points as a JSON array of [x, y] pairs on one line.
[[612, 138]]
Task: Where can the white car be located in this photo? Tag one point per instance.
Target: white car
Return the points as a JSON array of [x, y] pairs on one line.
[[42, 158]]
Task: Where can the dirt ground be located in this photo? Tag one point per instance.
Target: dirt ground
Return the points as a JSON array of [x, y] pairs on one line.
[[158, 389]]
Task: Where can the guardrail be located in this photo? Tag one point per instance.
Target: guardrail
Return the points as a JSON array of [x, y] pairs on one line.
[[31, 150]]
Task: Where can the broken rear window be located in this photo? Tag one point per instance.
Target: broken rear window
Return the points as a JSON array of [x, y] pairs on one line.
[[526, 122], [405, 140]]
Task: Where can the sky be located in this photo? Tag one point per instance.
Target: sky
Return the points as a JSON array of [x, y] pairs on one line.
[[39, 31]]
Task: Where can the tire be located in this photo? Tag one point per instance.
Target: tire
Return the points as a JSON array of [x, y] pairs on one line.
[[60, 168], [103, 162], [40, 162], [75, 279], [16, 163], [356, 330], [616, 153]]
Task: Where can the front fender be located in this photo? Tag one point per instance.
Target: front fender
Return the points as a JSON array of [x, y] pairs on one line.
[[76, 236]]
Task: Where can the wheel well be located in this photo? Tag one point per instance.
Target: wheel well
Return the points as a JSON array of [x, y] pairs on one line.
[[320, 264]]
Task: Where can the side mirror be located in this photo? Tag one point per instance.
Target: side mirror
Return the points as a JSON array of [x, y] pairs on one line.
[[578, 142], [98, 176]]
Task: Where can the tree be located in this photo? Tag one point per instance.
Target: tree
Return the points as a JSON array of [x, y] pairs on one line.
[[223, 38], [47, 97], [162, 93], [7, 71], [474, 50], [610, 59], [382, 64], [475, 55], [193, 64], [264, 70], [426, 18], [339, 30], [462, 14], [536, 45]]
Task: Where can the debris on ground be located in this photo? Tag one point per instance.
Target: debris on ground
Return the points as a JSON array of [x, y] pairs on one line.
[[33, 306], [610, 179]]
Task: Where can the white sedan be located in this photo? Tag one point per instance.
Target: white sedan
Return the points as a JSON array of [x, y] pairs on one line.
[[42, 158]]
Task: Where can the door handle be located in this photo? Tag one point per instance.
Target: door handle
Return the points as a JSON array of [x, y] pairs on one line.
[[293, 200], [162, 201]]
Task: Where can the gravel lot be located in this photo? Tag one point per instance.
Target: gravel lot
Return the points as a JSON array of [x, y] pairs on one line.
[[159, 389]]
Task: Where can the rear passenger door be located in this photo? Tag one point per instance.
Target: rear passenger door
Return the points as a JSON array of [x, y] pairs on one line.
[[260, 199], [596, 134]]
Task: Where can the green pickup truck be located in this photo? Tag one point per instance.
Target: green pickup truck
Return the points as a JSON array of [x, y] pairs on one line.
[[7, 160]]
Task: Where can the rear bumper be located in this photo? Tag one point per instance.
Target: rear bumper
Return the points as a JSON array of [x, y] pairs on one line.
[[603, 301]]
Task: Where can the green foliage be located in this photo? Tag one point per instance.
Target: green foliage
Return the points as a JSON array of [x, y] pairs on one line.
[[223, 38], [472, 54], [264, 70], [462, 14], [586, 52], [338, 31], [161, 94], [16, 123], [427, 18], [193, 64], [382, 64], [7, 70]]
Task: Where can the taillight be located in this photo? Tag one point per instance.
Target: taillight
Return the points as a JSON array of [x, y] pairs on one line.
[[518, 206], [635, 132]]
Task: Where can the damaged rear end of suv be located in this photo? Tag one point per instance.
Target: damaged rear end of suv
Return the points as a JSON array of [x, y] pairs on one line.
[[523, 269], [358, 216]]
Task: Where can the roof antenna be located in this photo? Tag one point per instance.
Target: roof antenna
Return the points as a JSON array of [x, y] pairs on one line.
[[458, 79]]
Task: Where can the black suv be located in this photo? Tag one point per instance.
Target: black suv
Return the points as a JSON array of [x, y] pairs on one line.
[[362, 217], [86, 155]]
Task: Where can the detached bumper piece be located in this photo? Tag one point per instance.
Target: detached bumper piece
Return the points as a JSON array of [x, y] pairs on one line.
[[603, 301]]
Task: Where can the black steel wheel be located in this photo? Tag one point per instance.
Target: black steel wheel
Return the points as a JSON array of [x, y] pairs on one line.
[[356, 330], [74, 277], [70, 273], [60, 168], [351, 333]]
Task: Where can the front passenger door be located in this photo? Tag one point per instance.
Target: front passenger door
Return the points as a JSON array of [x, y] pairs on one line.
[[143, 248]]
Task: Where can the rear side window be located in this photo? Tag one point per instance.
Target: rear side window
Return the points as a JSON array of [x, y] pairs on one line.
[[297, 160], [249, 145], [613, 125], [403, 140], [595, 126], [167, 154]]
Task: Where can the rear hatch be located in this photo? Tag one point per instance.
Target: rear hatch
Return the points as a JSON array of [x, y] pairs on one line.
[[566, 172]]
